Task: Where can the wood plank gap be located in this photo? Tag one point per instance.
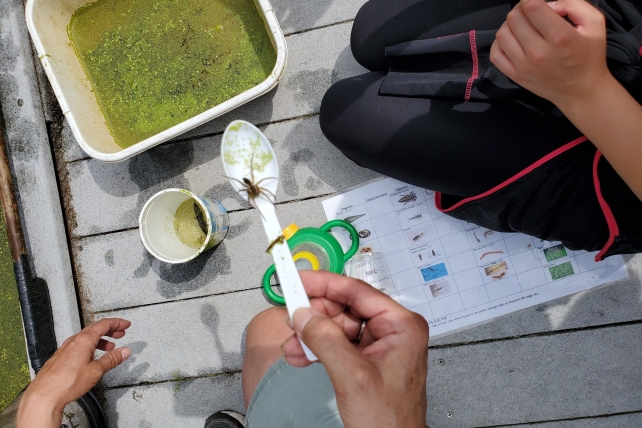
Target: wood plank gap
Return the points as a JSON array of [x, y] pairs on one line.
[[127, 229], [579, 418], [278, 204], [181, 379], [540, 334], [318, 28]]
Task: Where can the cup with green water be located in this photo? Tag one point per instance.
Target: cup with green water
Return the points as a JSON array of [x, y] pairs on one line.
[[176, 225]]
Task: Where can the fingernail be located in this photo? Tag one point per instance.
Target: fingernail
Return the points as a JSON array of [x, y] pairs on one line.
[[288, 321], [301, 318], [125, 353]]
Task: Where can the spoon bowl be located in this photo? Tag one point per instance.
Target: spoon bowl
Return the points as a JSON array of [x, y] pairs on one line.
[[247, 154]]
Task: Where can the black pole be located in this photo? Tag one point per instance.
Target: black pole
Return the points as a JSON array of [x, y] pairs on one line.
[[33, 292]]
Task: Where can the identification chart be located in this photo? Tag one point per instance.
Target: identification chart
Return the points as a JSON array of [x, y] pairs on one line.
[[454, 273]]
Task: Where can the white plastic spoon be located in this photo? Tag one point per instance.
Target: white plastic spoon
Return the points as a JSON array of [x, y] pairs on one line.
[[248, 158]]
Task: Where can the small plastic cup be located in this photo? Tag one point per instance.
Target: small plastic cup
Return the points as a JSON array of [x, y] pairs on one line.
[[176, 225], [371, 268]]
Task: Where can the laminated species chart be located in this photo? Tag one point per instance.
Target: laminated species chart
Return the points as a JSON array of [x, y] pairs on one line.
[[454, 273]]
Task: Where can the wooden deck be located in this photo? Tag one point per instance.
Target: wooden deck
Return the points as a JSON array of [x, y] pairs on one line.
[[576, 362]]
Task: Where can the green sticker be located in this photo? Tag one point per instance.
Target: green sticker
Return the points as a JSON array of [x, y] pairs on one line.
[[561, 271], [555, 253]]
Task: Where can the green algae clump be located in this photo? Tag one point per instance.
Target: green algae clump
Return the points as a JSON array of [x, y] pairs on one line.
[[14, 369], [154, 64]]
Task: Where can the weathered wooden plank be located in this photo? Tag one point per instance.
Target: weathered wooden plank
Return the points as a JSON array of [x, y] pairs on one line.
[[115, 270], [297, 16], [189, 338], [31, 161], [187, 403], [108, 197], [576, 374], [610, 421], [181, 403]]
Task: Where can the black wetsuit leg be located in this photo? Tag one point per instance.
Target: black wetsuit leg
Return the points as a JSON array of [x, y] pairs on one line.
[[383, 23], [455, 147]]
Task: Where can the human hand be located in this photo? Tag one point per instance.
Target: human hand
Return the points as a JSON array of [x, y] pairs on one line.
[[71, 372], [380, 381], [539, 50]]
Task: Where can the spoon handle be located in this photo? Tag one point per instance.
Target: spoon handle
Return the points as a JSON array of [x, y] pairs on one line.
[[291, 284]]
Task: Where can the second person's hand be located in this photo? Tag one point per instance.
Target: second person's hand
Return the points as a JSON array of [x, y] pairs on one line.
[[539, 50], [71, 372], [380, 381]]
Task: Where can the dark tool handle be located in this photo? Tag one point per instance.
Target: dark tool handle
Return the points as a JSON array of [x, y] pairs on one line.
[[9, 204], [33, 292]]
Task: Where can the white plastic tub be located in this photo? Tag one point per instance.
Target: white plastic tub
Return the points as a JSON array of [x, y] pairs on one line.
[[47, 21]]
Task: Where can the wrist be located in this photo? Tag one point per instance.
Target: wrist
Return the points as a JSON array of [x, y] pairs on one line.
[[39, 410], [575, 105]]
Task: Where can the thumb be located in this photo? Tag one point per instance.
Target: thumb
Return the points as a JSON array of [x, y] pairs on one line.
[[329, 343], [112, 359]]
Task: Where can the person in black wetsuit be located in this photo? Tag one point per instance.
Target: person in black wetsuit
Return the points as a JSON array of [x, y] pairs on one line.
[[506, 118]]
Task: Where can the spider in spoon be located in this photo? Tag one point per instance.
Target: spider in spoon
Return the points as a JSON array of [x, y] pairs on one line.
[[254, 190]]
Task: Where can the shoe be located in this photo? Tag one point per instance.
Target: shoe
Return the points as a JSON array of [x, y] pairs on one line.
[[225, 419]]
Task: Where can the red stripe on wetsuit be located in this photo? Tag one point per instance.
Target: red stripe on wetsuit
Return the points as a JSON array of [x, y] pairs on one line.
[[473, 52], [614, 230]]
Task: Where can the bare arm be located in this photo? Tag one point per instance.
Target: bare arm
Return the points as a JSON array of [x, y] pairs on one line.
[[611, 118], [566, 64]]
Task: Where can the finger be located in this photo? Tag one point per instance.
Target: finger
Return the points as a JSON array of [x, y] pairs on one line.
[[67, 340], [299, 362], [364, 300], [328, 307], [117, 334], [501, 61], [328, 342], [582, 13], [560, 10], [547, 21], [105, 345], [292, 348], [107, 327], [510, 46], [112, 359], [348, 322], [293, 352], [523, 31]]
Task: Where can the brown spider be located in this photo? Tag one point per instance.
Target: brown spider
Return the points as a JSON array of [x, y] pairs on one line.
[[254, 190]]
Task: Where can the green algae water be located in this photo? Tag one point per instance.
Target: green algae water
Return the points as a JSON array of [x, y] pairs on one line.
[[14, 370], [190, 224], [155, 63]]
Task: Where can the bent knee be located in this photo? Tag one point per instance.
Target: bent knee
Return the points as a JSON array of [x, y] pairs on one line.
[[368, 54], [347, 106], [264, 322]]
